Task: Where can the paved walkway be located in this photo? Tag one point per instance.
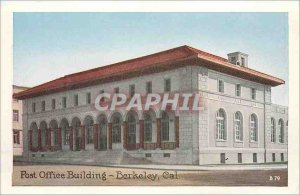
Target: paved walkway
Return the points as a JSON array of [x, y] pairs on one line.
[[208, 167]]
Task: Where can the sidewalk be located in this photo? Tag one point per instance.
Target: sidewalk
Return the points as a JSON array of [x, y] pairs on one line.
[[208, 167]]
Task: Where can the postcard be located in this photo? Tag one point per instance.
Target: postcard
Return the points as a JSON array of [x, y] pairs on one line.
[[178, 97]]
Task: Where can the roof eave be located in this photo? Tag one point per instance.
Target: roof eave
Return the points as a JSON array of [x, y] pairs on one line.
[[240, 72]]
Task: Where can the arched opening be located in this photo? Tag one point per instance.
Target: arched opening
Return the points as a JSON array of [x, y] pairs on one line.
[[64, 125], [44, 135], [89, 131], [253, 128], [221, 125], [34, 129], [238, 126], [102, 135], [54, 132], [76, 126]]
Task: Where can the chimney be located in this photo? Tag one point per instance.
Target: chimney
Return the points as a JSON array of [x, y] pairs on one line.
[[238, 58]]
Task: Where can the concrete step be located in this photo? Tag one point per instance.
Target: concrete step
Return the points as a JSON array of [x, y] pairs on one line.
[[88, 157]]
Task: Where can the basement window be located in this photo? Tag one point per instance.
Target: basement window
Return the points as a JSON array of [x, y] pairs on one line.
[[167, 155], [148, 155]]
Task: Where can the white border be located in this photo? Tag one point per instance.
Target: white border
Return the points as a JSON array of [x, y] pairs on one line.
[[7, 9]]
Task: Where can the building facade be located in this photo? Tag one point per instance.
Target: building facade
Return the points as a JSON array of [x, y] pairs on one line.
[[237, 123], [17, 122]]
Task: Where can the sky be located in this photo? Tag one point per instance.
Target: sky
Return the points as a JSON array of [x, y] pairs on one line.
[[51, 45]]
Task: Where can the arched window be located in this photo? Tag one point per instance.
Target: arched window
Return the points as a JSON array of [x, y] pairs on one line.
[[273, 130], [116, 130], [253, 128], [221, 125], [165, 126], [238, 126], [148, 127], [131, 129], [281, 132]]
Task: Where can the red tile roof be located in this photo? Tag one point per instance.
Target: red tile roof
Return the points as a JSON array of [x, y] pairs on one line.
[[173, 58]]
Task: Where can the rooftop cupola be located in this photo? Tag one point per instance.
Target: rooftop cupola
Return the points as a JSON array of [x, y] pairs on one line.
[[238, 58]]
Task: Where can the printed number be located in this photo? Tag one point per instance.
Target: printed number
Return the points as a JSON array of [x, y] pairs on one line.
[[274, 178]]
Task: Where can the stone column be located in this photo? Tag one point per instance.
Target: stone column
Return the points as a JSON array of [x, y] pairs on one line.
[[141, 134], [59, 139], [71, 138], [83, 137], [177, 131], [125, 134], [39, 139], [158, 129], [110, 135], [96, 128], [30, 140], [49, 139]]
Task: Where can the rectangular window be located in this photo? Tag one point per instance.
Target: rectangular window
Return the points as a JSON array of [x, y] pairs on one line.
[[76, 100], [282, 157], [15, 115], [16, 137], [273, 157], [253, 93], [64, 102], [232, 59], [148, 155], [149, 87], [131, 90], [43, 105], [243, 61], [222, 156], [221, 86], [240, 160], [255, 157], [88, 98], [33, 107], [238, 90], [167, 155], [53, 104], [167, 86]]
